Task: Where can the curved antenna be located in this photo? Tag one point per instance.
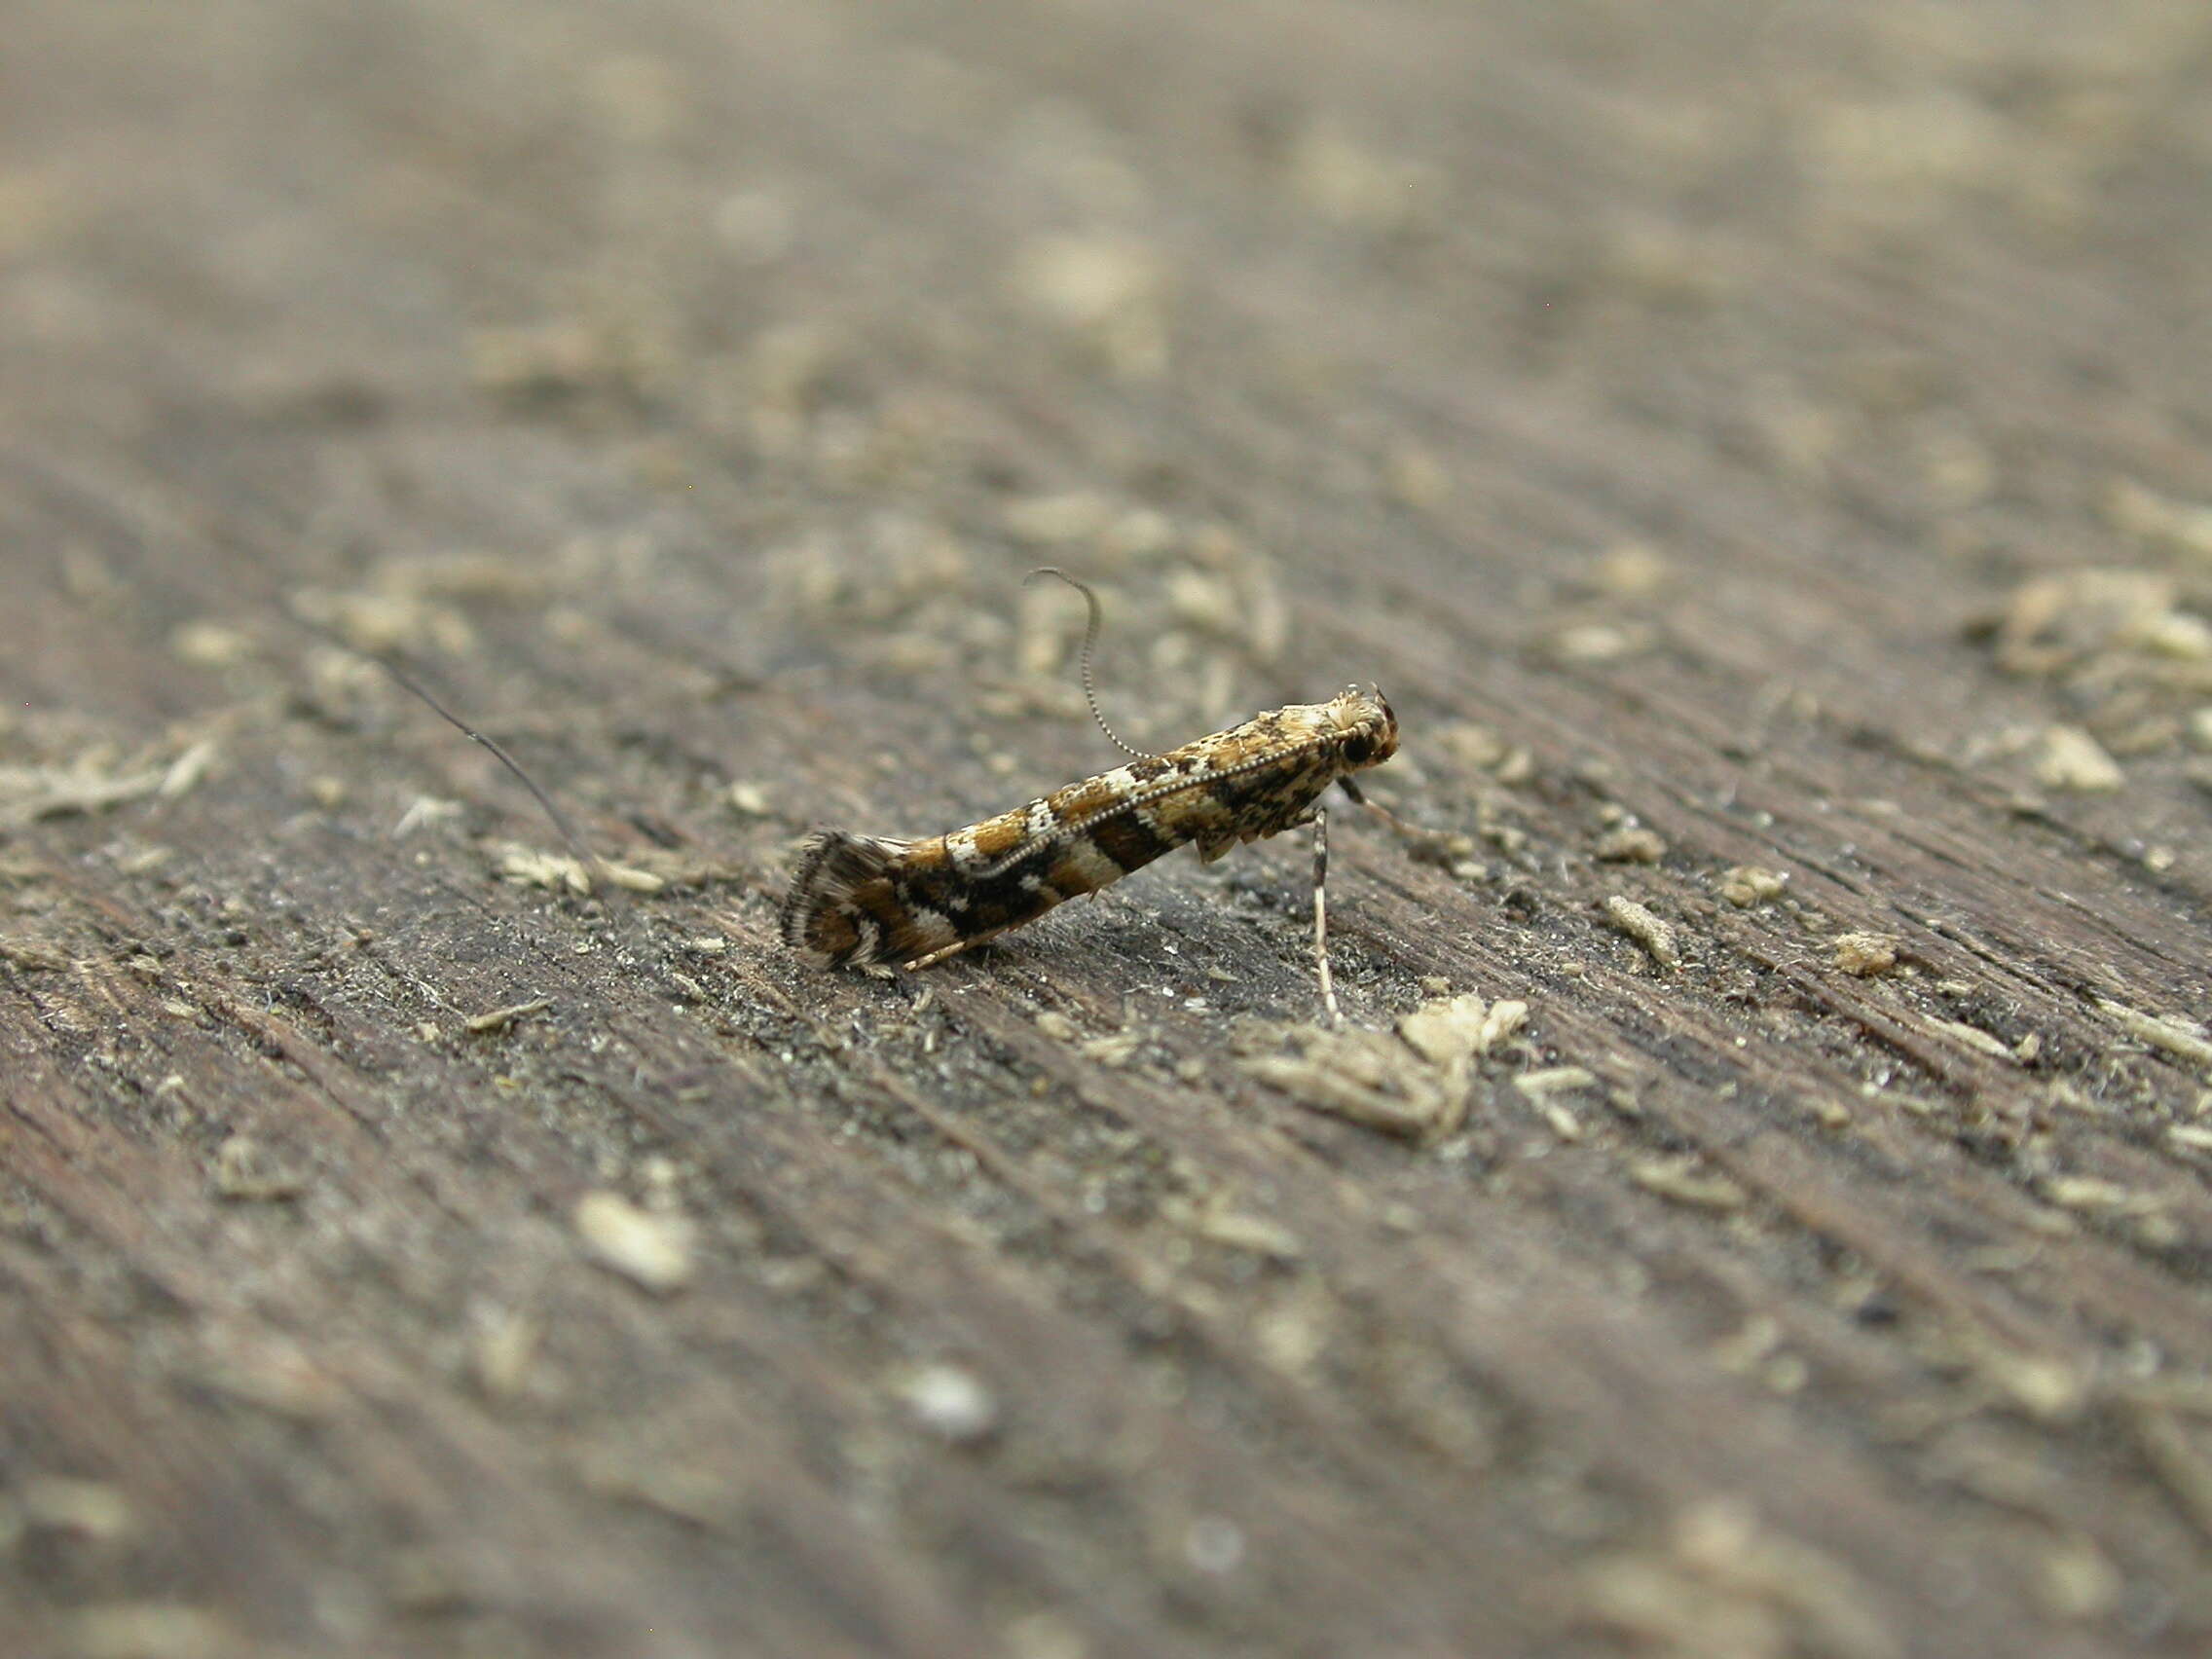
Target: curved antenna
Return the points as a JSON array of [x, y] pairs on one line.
[[1089, 638], [578, 848]]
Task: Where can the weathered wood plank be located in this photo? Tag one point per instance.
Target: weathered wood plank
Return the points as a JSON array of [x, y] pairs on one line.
[[1762, 456]]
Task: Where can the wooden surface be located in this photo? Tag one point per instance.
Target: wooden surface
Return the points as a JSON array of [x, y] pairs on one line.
[[1768, 438]]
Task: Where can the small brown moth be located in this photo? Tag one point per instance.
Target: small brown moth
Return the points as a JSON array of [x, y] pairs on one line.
[[863, 899]]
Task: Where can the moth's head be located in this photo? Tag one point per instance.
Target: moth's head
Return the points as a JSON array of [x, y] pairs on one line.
[[1369, 730]]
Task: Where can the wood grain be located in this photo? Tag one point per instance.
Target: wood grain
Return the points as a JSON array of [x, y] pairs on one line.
[[1763, 439]]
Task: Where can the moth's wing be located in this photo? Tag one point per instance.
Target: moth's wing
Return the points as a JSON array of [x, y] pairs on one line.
[[1211, 847], [828, 913]]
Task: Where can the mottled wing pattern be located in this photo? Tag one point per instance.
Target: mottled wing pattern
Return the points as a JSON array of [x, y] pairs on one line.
[[858, 899]]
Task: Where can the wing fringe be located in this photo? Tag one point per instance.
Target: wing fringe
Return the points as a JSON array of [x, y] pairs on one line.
[[820, 915]]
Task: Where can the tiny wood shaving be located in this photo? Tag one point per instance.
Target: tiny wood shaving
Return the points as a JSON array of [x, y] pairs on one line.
[[499, 1018], [1681, 1181], [1655, 936], [2170, 1036], [1973, 1037]]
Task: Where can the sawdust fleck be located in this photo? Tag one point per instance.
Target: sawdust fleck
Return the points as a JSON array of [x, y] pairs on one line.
[[94, 782], [92, 1510], [2055, 622], [1634, 569], [1637, 922], [2077, 1580], [1972, 1037], [1548, 1081], [1631, 844], [1724, 1585], [188, 770], [1110, 294], [1476, 746], [1865, 955], [949, 1401], [1413, 1085], [1595, 642], [1447, 1030], [652, 1251], [205, 644], [1686, 1181], [425, 810], [502, 1351], [1218, 1221], [1114, 1048], [2184, 1039], [499, 1018], [2073, 761], [1747, 885], [533, 867], [2096, 1195], [2047, 1388], [2165, 521], [1505, 1018]]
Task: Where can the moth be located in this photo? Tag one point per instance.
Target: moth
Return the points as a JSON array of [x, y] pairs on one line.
[[865, 899]]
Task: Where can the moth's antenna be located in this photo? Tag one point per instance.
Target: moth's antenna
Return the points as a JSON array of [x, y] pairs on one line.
[[1089, 638], [578, 848], [582, 853]]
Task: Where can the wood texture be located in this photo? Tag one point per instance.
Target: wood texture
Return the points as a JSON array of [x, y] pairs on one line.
[[1761, 449]]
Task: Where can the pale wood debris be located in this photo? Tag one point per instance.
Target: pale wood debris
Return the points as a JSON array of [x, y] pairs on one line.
[[1726, 1585], [1629, 844], [650, 1250], [2181, 1039], [91, 1510], [1217, 1223], [1686, 1181], [2073, 761], [1746, 885], [499, 1018], [1972, 1037], [1655, 936], [503, 1351], [1413, 1085], [1865, 955], [533, 867], [1543, 1083], [950, 1401], [1447, 1029]]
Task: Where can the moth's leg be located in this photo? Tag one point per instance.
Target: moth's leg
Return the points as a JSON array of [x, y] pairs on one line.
[[917, 964], [1319, 819], [1433, 843], [1381, 811], [939, 955], [1321, 914]]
